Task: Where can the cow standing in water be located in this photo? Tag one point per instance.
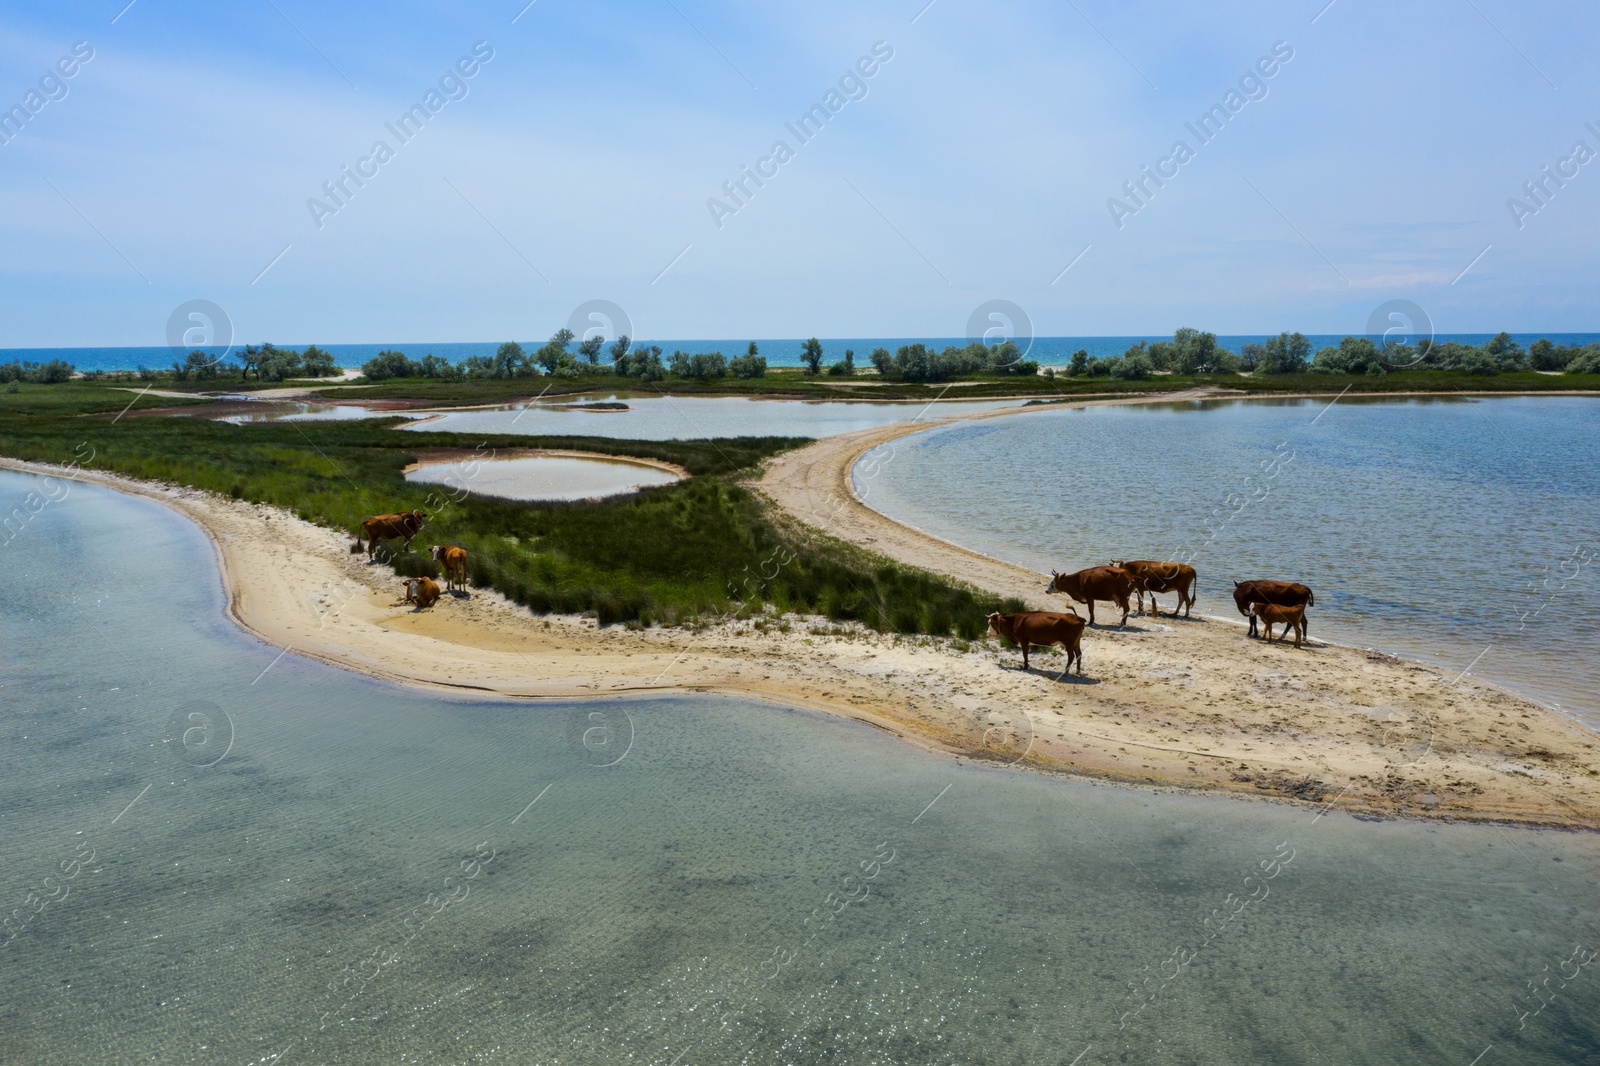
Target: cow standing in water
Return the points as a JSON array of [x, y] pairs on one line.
[[1043, 628], [1096, 583], [454, 562], [1265, 590], [1151, 576], [404, 525]]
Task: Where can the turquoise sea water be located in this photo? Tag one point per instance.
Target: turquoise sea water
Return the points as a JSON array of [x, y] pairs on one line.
[[257, 859], [1462, 531]]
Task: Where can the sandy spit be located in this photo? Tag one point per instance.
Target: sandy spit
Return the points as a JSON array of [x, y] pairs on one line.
[[1167, 702]]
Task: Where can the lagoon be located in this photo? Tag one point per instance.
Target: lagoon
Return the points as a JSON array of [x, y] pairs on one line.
[[1465, 532], [544, 477], [273, 861], [693, 417]]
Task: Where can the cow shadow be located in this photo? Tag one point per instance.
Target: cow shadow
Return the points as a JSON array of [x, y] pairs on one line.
[[1055, 675], [1175, 618], [460, 594]]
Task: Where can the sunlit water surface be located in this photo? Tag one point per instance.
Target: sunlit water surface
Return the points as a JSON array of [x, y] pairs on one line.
[[257, 859], [694, 417], [543, 477], [303, 411], [1464, 532]]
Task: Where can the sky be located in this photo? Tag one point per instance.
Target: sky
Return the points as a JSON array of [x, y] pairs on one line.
[[585, 157]]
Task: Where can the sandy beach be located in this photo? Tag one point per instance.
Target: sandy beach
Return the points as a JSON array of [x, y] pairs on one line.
[[1166, 702]]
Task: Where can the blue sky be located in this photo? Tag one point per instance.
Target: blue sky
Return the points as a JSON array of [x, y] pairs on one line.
[[578, 165]]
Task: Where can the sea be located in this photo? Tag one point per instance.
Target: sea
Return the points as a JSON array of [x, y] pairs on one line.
[[1051, 351]]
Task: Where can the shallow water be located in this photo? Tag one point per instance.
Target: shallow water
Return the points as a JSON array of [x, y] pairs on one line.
[[1439, 529], [639, 876], [302, 411], [694, 417], [545, 477]]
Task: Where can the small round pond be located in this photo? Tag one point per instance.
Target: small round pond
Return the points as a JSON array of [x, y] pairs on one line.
[[545, 476]]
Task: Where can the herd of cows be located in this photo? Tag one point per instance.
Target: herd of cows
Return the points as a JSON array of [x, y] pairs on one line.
[[1265, 601], [421, 591]]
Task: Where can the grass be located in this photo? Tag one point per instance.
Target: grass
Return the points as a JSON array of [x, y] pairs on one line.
[[78, 397], [703, 548]]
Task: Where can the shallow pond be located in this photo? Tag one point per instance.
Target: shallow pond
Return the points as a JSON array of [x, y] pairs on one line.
[[543, 477], [258, 859], [273, 410], [693, 417], [1464, 532]]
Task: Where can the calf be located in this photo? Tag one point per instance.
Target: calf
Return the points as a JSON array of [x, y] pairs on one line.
[[1044, 628], [1272, 614], [1264, 590]]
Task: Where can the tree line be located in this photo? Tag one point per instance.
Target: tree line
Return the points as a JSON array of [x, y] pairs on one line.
[[1193, 351], [1189, 352], [554, 359]]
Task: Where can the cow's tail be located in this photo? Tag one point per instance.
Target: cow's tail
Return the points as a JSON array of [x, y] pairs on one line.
[[1311, 599], [356, 549]]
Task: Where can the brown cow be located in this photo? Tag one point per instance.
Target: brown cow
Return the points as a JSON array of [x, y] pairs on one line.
[[1044, 628], [1096, 583], [422, 591], [404, 525], [1265, 590], [1153, 577], [1290, 617], [454, 561]]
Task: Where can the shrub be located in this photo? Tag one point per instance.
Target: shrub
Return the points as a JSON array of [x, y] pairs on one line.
[[1586, 362], [1135, 366], [748, 366], [390, 364], [702, 366], [316, 363], [643, 363]]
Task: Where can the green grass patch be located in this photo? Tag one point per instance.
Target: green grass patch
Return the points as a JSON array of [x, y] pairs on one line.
[[703, 548]]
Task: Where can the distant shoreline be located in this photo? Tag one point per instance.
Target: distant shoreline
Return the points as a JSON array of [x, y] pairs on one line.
[[780, 351]]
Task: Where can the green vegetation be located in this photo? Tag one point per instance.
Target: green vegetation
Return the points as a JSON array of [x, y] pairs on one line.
[[76, 398], [1194, 352], [676, 554], [918, 362], [913, 372], [51, 373]]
